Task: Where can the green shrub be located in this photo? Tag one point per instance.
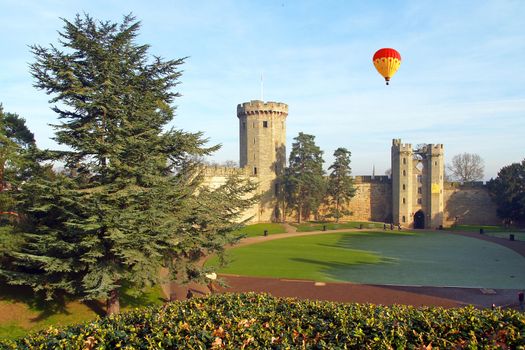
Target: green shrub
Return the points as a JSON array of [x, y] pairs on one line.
[[236, 321]]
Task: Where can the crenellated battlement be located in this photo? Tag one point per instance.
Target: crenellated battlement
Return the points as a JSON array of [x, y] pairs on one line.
[[436, 149], [261, 107], [402, 147]]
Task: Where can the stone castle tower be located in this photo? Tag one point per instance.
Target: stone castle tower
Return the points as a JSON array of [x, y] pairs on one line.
[[262, 145], [417, 185]]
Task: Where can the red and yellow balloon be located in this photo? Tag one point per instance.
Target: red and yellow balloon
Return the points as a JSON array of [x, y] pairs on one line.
[[387, 62]]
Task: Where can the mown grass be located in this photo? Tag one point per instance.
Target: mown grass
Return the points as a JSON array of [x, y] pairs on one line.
[[21, 312], [392, 257], [258, 229], [476, 228], [492, 231], [330, 225]]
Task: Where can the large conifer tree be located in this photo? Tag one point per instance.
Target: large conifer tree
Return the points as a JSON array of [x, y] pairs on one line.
[[340, 184], [305, 186], [130, 205]]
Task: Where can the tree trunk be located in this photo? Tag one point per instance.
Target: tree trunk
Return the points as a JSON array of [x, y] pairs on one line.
[[113, 303], [337, 211], [299, 210]]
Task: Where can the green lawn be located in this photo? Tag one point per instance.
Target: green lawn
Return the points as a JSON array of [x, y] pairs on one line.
[[518, 235], [399, 258], [330, 225], [20, 313], [493, 231], [475, 228], [258, 229]]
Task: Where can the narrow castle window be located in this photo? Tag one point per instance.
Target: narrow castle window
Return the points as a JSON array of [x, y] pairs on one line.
[[404, 219], [403, 186], [276, 189], [436, 163], [265, 124], [419, 201], [254, 140], [403, 200], [404, 173], [404, 160], [419, 190], [254, 170]]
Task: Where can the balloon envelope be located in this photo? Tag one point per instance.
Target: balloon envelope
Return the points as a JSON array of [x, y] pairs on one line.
[[387, 62]]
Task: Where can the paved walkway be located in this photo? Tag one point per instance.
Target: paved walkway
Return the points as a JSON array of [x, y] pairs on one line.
[[362, 293]]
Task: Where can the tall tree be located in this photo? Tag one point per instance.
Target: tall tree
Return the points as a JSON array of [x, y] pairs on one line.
[[132, 204], [466, 167], [340, 185], [305, 186], [508, 192]]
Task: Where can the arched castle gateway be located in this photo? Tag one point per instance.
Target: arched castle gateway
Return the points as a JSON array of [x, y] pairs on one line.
[[417, 185], [415, 196]]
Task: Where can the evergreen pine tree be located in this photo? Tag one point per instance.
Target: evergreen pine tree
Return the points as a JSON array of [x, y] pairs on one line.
[[340, 184], [132, 204], [305, 186]]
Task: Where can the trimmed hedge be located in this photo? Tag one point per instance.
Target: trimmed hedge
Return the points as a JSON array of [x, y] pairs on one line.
[[237, 321]]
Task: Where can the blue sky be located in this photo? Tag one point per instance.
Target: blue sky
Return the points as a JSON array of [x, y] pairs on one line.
[[461, 81]]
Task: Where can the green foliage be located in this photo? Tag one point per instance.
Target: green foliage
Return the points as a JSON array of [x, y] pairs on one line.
[[17, 158], [304, 183], [237, 321], [340, 185], [508, 191], [130, 201]]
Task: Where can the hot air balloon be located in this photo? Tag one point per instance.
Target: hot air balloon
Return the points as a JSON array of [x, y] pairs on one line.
[[387, 61]]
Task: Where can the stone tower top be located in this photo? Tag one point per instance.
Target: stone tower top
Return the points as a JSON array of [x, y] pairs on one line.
[[402, 147], [261, 107]]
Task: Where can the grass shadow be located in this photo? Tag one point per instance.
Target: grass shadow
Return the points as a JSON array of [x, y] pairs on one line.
[[35, 301], [338, 270]]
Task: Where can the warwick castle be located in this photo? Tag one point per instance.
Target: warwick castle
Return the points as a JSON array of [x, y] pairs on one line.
[[416, 194]]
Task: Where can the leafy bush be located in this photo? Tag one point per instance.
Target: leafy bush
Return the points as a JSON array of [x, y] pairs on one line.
[[237, 321]]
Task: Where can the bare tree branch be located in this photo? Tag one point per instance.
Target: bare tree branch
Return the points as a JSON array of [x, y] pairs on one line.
[[466, 167]]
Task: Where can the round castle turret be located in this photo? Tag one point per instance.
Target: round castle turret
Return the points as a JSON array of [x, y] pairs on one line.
[[262, 146], [262, 137]]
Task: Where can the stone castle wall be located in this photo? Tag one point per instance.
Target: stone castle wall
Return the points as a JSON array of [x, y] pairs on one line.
[[372, 200], [412, 191], [470, 203], [216, 176]]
